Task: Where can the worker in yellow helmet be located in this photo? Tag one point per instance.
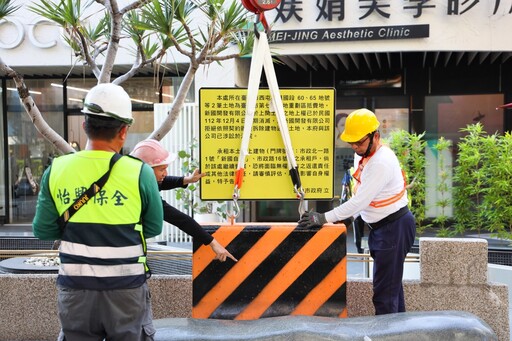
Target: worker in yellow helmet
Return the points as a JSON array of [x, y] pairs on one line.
[[380, 199]]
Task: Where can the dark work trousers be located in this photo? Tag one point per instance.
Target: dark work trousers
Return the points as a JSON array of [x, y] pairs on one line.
[[358, 226], [388, 247], [114, 315]]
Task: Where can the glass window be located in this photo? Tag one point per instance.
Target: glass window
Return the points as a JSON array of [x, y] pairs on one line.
[[143, 92], [445, 116], [76, 134], [29, 152], [77, 89], [141, 128]]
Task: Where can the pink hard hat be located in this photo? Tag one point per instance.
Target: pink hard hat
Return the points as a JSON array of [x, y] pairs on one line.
[[151, 152]]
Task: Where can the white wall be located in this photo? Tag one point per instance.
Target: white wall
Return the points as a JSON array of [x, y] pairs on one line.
[[501, 274], [476, 27], [23, 37], [179, 138]]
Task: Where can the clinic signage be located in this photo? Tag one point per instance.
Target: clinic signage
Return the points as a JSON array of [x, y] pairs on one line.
[[413, 25], [350, 34]]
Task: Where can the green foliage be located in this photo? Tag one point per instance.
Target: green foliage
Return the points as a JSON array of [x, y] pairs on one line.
[[6, 8], [483, 176], [410, 150], [442, 188], [189, 196], [481, 181], [470, 178], [160, 18], [66, 13], [497, 202]]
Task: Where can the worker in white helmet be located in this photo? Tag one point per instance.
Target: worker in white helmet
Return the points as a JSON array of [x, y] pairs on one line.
[[103, 227], [151, 152]]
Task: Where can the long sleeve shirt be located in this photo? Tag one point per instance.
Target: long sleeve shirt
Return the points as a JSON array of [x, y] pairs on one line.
[[179, 219], [381, 179]]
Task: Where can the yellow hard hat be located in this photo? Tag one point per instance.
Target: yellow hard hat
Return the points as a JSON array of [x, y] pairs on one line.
[[359, 123]]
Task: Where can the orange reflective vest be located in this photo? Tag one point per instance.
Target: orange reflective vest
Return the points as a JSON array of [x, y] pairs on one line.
[[377, 203]]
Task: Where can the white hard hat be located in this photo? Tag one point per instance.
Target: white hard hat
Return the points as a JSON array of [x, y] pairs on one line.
[[151, 152], [109, 100]]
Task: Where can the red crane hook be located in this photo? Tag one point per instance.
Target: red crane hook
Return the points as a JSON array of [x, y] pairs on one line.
[[259, 7]]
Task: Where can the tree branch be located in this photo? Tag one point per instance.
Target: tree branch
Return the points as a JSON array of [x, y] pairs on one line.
[[33, 111], [91, 61], [115, 38], [177, 105], [133, 5]]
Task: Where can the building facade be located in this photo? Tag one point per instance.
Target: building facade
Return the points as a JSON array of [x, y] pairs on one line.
[[424, 66], [428, 67]]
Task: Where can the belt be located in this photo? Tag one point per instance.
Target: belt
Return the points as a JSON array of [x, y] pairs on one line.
[[390, 218]]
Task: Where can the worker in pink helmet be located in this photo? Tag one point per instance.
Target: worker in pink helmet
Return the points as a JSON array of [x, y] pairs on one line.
[[151, 152]]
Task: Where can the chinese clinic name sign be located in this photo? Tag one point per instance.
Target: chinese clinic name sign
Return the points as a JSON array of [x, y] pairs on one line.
[[310, 119]]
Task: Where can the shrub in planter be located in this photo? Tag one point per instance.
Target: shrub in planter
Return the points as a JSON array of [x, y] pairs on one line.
[[471, 178], [442, 188], [410, 150], [497, 202]]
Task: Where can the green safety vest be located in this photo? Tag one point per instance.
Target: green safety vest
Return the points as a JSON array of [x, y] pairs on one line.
[[102, 247]]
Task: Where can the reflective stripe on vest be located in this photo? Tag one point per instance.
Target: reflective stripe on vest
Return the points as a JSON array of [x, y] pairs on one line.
[[102, 270], [103, 252], [391, 200]]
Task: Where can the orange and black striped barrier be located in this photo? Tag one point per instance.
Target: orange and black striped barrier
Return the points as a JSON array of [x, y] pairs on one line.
[[280, 271]]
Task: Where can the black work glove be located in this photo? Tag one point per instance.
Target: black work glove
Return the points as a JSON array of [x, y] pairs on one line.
[[311, 220]]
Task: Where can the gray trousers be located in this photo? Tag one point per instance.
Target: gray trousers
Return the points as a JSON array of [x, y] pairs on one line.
[[112, 315]]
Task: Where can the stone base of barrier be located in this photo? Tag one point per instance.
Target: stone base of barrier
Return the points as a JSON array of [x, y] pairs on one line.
[[432, 326], [453, 277]]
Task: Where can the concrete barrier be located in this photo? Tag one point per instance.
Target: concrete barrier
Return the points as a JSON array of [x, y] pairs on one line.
[[453, 277], [281, 270]]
